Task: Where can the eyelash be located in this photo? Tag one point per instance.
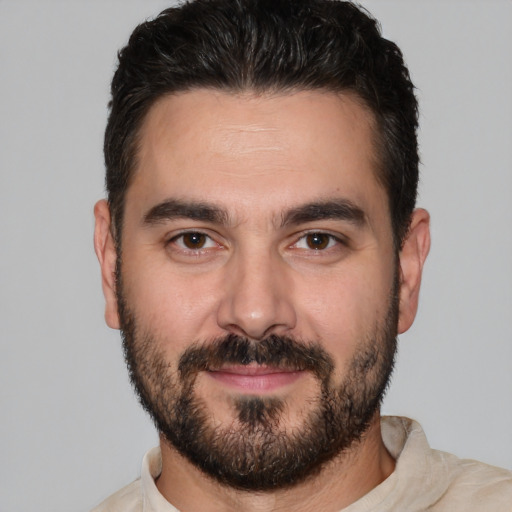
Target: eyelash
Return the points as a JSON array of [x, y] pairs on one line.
[[181, 246], [332, 242]]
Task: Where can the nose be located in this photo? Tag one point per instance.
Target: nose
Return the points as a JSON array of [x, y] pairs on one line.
[[257, 297]]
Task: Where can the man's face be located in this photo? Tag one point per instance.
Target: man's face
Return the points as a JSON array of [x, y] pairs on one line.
[[258, 285]]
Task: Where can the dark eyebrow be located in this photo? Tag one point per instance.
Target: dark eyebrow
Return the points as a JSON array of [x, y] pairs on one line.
[[175, 208], [337, 209]]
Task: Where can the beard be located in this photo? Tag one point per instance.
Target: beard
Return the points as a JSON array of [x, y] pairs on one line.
[[257, 452]]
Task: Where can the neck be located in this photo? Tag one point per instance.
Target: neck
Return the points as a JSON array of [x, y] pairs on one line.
[[341, 482]]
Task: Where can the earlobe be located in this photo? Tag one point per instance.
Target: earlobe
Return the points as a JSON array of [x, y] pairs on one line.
[[105, 249], [412, 257]]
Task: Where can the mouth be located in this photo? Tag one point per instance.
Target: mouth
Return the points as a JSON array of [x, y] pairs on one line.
[[255, 379]]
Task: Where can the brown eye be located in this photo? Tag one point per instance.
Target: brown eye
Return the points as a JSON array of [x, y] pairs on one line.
[[194, 240], [318, 241]]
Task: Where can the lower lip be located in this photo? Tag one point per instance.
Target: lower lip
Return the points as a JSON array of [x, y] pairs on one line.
[[259, 383]]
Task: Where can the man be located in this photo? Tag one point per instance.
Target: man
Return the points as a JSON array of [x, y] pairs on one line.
[[260, 252]]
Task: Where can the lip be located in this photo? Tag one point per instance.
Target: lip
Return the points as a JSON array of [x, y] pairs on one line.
[[255, 379]]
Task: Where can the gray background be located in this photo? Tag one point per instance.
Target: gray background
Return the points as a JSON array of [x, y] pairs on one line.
[[71, 431]]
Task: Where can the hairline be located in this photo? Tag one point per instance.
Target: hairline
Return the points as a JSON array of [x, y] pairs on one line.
[[134, 142]]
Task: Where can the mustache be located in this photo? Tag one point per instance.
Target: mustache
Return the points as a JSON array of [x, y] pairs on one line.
[[276, 351]]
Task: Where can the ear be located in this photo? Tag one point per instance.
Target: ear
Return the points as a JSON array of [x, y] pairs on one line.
[[412, 257], [105, 248]]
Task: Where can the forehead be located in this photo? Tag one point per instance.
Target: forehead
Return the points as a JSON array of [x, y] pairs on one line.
[[257, 150]]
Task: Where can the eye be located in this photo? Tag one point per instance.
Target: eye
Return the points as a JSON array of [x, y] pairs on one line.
[[317, 241], [193, 241]]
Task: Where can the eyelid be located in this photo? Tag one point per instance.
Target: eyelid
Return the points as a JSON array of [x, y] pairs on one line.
[[174, 237], [338, 238]]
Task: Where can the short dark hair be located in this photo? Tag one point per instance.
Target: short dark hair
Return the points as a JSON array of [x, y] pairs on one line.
[[274, 46]]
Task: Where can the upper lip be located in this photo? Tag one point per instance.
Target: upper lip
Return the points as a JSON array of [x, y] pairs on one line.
[[255, 370]]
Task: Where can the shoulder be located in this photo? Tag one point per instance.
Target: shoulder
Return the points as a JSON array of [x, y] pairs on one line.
[[476, 486], [127, 499], [427, 479]]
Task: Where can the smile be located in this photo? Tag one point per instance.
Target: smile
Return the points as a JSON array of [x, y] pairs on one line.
[[255, 379]]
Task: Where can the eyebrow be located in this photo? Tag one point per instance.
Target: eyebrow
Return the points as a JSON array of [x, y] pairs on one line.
[[335, 209], [174, 209]]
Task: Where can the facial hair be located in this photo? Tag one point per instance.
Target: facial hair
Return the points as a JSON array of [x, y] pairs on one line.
[[257, 452]]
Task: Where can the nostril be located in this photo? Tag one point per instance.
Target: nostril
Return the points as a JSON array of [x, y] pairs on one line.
[[235, 329], [255, 301]]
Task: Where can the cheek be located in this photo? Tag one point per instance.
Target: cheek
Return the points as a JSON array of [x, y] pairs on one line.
[[176, 308], [343, 310]]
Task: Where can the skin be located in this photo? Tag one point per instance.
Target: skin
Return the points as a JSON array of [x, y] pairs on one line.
[[256, 158]]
